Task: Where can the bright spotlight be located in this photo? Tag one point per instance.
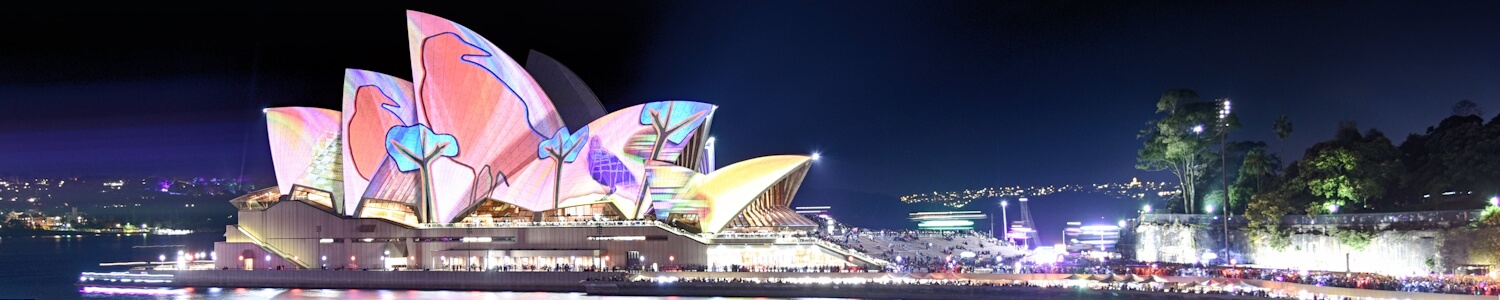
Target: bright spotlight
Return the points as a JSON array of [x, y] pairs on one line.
[[817, 155]]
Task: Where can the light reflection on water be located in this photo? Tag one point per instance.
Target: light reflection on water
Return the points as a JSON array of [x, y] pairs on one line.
[[355, 294]]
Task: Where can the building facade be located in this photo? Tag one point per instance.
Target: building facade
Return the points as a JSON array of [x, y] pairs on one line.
[[470, 165]]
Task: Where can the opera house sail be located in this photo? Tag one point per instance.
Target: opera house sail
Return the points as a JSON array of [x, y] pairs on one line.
[[472, 158]]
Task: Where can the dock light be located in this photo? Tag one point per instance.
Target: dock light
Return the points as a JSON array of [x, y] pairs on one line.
[[162, 257]]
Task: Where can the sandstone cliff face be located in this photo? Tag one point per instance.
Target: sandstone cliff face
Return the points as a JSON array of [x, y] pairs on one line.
[[1389, 251]]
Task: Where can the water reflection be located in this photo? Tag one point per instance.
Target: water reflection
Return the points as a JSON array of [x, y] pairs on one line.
[[269, 293]]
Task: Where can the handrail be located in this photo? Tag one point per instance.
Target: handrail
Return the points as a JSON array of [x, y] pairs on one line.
[[273, 249], [848, 251], [681, 232], [1328, 219]]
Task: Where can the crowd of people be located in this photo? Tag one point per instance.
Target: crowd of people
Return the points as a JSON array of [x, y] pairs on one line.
[[928, 251], [1160, 288], [1445, 284]]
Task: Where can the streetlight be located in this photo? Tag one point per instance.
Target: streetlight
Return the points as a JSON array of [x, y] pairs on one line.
[[1004, 220], [1146, 208], [1224, 160], [817, 155], [1209, 209]]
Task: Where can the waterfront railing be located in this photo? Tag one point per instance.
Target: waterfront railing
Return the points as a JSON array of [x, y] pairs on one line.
[[1429, 217]]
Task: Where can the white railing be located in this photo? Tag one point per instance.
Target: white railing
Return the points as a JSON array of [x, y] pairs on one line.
[[758, 235], [273, 249]]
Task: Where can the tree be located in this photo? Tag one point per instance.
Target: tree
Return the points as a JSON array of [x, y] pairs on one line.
[[1256, 166], [1460, 154], [1467, 108], [1178, 142], [1283, 128], [563, 148], [1264, 214], [414, 148], [1351, 169], [671, 120]]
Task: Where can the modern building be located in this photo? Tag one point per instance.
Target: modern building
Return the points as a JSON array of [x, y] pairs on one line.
[[476, 164], [1081, 238], [946, 220]]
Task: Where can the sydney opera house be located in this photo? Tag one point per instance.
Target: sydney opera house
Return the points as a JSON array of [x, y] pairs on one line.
[[479, 163]]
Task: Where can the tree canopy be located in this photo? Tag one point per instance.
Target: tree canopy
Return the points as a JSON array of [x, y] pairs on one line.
[[1181, 139]]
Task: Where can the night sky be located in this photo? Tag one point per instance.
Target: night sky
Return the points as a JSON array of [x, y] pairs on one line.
[[900, 97]]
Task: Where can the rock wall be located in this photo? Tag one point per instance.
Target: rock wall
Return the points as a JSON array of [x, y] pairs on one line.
[[1389, 251]]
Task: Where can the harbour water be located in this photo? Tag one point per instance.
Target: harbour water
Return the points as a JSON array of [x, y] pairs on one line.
[[47, 267]]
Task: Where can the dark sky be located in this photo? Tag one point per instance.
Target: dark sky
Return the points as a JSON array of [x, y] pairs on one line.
[[900, 97]]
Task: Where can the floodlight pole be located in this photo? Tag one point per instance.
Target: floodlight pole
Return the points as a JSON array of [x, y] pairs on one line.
[[1224, 168]]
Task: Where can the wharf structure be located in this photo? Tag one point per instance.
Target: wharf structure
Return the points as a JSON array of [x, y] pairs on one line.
[[476, 164]]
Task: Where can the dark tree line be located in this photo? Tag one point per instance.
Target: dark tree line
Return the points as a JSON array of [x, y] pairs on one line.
[[1355, 170]]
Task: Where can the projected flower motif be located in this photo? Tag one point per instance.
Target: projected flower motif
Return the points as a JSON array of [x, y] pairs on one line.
[[562, 147], [414, 148], [404, 141], [673, 119]]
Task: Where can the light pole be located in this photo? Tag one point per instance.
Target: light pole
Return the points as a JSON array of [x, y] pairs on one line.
[[1224, 160], [1210, 210], [1328, 228], [1004, 221]]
